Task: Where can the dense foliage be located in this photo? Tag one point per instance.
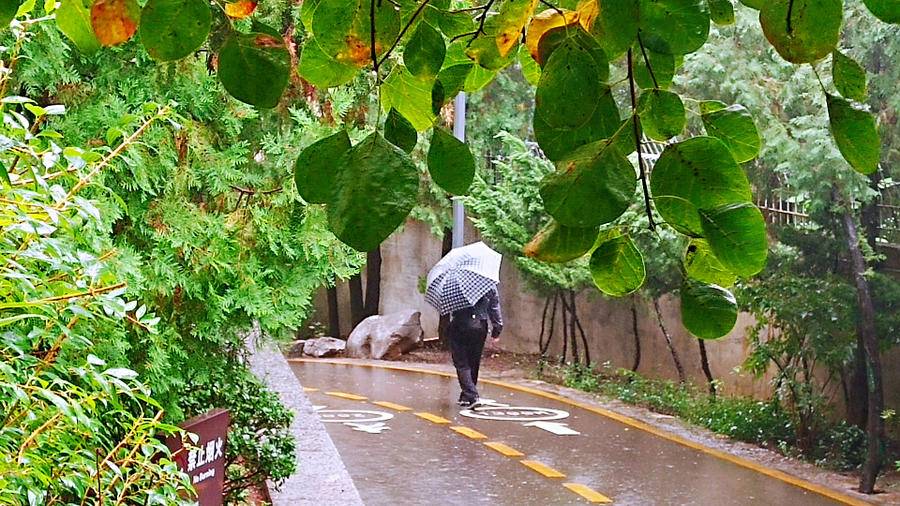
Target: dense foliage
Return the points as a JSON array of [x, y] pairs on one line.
[[202, 215], [73, 427]]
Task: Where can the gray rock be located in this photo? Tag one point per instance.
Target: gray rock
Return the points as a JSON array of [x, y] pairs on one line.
[[386, 337], [324, 347], [296, 349]]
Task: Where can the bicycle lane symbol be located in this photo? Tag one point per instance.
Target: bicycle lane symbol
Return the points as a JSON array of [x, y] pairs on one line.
[[528, 416]]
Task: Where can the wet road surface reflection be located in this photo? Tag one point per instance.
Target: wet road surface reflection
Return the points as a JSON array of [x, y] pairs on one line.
[[408, 460]]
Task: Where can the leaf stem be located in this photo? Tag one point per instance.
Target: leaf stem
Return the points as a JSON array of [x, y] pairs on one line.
[[406, 28], [637, 139], [647, 61]]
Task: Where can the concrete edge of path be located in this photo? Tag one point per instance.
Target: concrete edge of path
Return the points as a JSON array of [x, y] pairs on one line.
[[321, 477]]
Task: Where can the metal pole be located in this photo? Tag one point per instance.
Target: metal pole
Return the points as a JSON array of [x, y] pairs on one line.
[[459, 131]]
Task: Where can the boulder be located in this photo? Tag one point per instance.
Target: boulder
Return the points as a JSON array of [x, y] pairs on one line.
[[296, 349], [386, 337], [324, 347]]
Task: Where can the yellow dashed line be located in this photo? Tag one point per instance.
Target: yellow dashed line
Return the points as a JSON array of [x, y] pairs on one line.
[[345, 395], [391, 405], [433, 418], [469, 433], [626, 420], [309, 389], [588, 493], [543, 469], [506, 451]]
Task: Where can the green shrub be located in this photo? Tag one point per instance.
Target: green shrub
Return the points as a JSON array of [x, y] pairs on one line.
[[260, 445]]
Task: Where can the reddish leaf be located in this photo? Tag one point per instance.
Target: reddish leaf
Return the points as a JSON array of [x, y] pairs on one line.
[[114, 21], [240, 9]]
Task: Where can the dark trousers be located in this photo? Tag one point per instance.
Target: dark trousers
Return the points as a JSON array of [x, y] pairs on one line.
[[467, 336]]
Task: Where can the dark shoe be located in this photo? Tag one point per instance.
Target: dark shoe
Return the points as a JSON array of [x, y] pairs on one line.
[[468, 403]]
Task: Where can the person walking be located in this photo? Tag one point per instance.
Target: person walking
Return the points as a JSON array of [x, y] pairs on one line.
[[463, 284], [468, 332]]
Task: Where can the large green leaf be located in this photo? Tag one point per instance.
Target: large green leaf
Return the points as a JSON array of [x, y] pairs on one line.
[[617, 266], [254, 68], [424, 52], [734, 126], [802, 31], [343, 29], [322, 70], [885, 10], [173, 29], [699, 173], [662, 114], [556, 243], [701, 264], [592, 186], [754, 4], [493, 47], [674, 26], [736, 233], [8, 10], [661, 64], [74, 20], [399, 132], [849, 76], [571, 85], [315, 170], [377, 187], [707, 311], [855, 134], [559, 142], [721, 12], [616, 25], [410, 96], [450, 162]]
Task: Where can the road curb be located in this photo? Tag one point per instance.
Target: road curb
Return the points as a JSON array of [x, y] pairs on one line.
[[321, 477]]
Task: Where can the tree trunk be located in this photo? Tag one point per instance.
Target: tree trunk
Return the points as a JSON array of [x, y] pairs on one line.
[[858, 386], [584, 340], [678, 367], [866, 328], [334, 315], [546, 348], [444, 322], [565, 327], [637, 336], [373, 282], [357, 305], [704, 362]]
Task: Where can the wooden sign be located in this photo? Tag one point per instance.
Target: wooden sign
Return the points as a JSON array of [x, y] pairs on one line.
[[205, 461]]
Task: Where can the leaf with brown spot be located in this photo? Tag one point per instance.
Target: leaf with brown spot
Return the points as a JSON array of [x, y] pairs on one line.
[[513, 17], [587, 10], [543, 23], [114, 21], [240, 9]]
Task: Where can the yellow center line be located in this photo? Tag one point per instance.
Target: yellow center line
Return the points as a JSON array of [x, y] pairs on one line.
[[391, 405], [345, 395], [588, 493], [543, 469], [632, 422], [433, 418], [309, 389], [506, 451], [469, 433]]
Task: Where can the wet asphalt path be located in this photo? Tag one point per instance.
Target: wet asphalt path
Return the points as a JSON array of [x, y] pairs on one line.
[[405, 442]]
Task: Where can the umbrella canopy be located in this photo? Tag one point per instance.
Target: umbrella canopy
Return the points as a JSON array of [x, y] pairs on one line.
[[462, 277]]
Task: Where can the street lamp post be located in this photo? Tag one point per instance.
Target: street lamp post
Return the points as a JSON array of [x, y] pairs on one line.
[[459, 209]]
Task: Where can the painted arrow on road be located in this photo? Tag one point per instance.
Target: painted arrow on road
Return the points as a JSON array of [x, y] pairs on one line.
[[560, 429]]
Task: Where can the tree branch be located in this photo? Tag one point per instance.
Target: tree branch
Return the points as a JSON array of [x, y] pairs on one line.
[[637, 140], [406, 28]]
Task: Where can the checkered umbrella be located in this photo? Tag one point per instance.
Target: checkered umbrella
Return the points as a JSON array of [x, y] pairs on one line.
[[462, 277]]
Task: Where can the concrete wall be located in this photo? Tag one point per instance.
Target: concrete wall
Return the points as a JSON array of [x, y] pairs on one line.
[[410, 253]]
